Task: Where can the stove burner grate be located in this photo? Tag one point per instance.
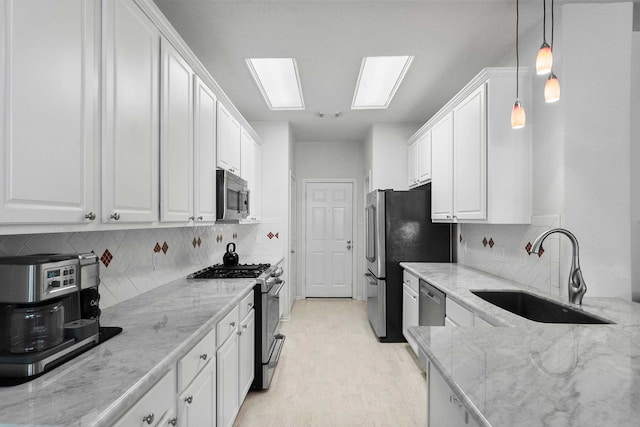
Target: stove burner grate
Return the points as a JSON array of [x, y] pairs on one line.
[[220, 271]]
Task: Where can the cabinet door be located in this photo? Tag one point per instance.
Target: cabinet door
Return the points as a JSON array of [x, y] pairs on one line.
[[131, 46], [197, 404], [444, 407], [424, 158], [412, 165], [48, 111], [442, 169], [228, 141], [153, 406], [227, 381], [176, 137], [255, 196], [204, 203], [470, 155], [246, 355], [410, 311], [246, 157]]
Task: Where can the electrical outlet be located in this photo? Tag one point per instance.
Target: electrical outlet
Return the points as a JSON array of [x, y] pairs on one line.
[[498, 254]]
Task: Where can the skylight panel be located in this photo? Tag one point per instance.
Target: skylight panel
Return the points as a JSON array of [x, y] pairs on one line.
[[278, 81], [379, 79]]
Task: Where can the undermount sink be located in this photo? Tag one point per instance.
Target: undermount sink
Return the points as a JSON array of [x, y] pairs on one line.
[[536, 308]]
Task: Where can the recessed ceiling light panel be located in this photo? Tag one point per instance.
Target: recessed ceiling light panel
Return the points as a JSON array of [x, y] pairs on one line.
[[278, 81], [379, 79]]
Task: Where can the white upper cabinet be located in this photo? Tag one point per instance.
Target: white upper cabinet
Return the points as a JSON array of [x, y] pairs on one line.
[[228, 143], [247, 158], [419, 160], [176, 137], [204, 151], [131, 45], [251, 167], [442, 169], [49, 54], [412, 164], [481, 168]]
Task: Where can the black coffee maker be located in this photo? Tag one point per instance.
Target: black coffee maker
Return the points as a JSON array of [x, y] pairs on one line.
[[49, 311]]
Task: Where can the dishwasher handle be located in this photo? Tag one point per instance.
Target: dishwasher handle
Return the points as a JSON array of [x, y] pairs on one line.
[[431, 295]]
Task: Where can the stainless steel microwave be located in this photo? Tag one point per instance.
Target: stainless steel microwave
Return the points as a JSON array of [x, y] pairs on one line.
[[232, 197]]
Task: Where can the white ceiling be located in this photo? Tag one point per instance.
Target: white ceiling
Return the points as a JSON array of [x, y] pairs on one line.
[[452, 40]]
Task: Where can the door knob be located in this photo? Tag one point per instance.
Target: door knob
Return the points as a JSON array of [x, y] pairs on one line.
[[348, 242], [348, 247]]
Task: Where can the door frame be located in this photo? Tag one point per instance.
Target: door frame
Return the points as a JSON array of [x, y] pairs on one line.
[[302, 273]]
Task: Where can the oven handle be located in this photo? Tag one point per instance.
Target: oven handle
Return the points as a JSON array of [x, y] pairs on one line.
[[276, 294]]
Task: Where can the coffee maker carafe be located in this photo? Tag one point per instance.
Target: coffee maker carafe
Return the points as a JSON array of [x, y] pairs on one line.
[[49, 311]]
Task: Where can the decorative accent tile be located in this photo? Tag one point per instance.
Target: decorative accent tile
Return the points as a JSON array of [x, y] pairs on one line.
[[491, 243], [199, 241], [277, 235], [270, 235], [165, 248], [106, 258], [461, 238], [484, 242], [528, 248], [157, 248], [540, 252], [194, 242]]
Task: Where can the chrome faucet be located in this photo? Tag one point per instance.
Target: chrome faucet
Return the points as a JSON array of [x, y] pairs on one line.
[[577, 287]]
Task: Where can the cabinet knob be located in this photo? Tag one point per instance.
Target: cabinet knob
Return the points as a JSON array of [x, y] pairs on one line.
[[192, 218], [239, 333], [232, 324], [200, 218], [250, 305], [115, 216], [188, 399], [148, 418], [90, 216], [173, 421], [203, 356], [244, 326]]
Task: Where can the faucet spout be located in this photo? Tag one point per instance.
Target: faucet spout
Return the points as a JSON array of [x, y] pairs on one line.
[[577, 287]]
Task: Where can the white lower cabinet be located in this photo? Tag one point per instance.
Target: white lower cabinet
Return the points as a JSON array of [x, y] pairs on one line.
[[457, 314], [197, 403], [444, 406], [246, 355], [154, 405], [227, 381], [410, 308]]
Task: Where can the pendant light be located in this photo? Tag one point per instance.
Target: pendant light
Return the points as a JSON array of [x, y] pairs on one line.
[[544, 60], [552, 86], [518, 117]]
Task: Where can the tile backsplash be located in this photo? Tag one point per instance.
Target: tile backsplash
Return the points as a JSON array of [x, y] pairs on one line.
[[502, 250], [135, 261]]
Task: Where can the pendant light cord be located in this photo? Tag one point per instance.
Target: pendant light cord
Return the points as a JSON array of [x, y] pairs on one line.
[[544, 21], [552, 25], [517, 52]]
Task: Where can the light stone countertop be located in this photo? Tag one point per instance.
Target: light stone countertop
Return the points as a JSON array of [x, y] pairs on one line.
[[534, 374], [97, 387]]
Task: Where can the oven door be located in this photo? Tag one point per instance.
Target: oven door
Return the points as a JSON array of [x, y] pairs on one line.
[[270, 319]]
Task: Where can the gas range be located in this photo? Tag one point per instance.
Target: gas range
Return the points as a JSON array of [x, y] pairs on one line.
[[219, 271]]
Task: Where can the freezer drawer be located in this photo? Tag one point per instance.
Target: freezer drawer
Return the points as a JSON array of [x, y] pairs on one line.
[[376, 304]]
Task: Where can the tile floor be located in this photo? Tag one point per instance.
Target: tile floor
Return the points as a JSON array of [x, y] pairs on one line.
[[333, 372]]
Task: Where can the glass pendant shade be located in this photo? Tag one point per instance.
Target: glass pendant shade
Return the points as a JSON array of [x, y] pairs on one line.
[[518, 117], [552, 89], [544, 60]]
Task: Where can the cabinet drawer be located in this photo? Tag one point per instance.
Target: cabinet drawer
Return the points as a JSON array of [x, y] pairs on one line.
[[192, 362], [153, 405], [246, 305], [459, 315], [411, 281], [227, 326]]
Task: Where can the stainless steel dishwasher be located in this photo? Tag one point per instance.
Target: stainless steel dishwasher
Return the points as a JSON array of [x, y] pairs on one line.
[[432, 303]]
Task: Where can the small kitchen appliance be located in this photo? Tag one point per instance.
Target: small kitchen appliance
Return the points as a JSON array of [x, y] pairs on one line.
[[232, 197], [230, 257], [49, 312]]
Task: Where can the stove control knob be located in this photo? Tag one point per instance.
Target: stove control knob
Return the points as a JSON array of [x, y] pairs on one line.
[[278, 272]]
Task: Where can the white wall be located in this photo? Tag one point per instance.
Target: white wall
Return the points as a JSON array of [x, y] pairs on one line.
[[332, 160], [581, 149], [276, 162]]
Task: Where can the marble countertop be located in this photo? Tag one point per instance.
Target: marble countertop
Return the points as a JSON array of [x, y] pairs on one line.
[[97, 387], [534, 374]]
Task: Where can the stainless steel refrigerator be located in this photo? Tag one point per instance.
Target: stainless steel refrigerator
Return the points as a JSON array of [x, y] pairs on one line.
[[398, 228]]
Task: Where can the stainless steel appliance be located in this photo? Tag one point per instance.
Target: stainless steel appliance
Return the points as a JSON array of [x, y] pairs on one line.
[[49, 312], [432, 305], [232, 197], [268, 340], [398, 228]]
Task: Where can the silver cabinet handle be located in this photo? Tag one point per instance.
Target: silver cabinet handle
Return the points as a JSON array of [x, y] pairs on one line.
[[189, 399], [203, 356], [148, 418], [173, 421], [90, 216], [115, 216]]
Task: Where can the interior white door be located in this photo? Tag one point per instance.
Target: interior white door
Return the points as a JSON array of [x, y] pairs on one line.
[[293, 237], [329, 238]]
